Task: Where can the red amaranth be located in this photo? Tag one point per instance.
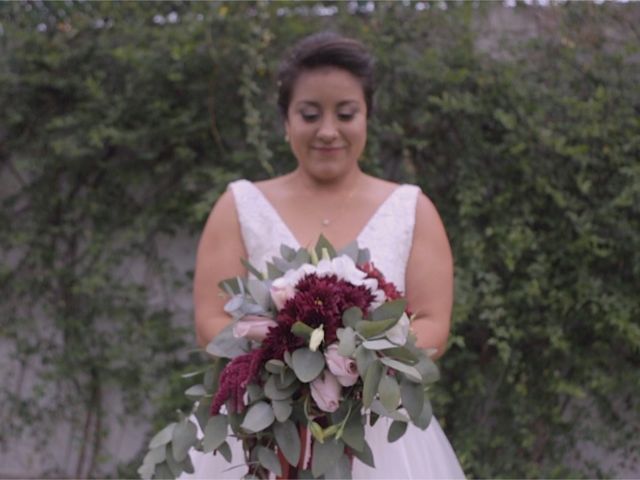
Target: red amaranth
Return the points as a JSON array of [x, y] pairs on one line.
[[234, 380]]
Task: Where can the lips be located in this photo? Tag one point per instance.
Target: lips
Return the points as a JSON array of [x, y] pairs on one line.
[[328, 149]]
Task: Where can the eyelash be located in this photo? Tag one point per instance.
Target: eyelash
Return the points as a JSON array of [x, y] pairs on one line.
[[309, 118]]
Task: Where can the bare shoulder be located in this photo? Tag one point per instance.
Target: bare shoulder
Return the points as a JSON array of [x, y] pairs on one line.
[[379, 187], [429, 230]]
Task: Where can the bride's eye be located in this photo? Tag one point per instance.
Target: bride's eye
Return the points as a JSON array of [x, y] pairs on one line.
[[346, 116], [309, 116]]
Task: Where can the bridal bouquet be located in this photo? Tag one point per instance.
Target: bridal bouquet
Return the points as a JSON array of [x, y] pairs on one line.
[[318, 346]]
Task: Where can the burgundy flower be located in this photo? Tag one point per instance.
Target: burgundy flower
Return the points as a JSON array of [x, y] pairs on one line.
[[389, 289], [234, 380]]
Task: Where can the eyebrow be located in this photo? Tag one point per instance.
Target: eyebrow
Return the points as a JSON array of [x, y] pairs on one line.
[[341, 103]]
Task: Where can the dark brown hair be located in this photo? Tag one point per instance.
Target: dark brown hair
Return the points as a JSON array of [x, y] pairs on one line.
[[325, 49]]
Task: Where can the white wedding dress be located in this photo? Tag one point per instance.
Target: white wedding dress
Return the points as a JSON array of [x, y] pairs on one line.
[[419, 454]]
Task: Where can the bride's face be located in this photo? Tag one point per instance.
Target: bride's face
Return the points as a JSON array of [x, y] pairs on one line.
[[327, 122]]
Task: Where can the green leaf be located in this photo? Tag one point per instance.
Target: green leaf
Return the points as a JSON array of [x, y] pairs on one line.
[[302, 330], [369, 328], [155, 455], [393, 309], [381, 344], [364, 358], [269, 460], [411, 372], [347, 345], [195, 391], [203, 414], [288, 440], [282, 409], [259, 416], [274, 366], [187, 465], [371, 381], [351, 317], [324, 455], [316, 431], [412, 395], [307, 365], [226, 345], [273, 272], [173, 464], [396, 431], [351, 251], [322, 244], [225, 451], [163, 436], [146, 470], [255, 393], [340, 469], [379, 409], [163, 471], [389, 392], [273, 392], [402, 354], [365, 456], [259, 292], [424, 419], [183, 438], [353, 433], [428, 370], [215, 433], [287, 252], [252, 270]]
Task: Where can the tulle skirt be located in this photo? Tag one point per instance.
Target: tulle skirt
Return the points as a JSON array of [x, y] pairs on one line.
[[419, 454]]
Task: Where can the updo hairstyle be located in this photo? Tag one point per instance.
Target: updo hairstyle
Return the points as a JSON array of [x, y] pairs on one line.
[[325, 49]]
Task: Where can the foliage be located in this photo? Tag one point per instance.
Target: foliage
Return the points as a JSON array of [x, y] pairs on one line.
[[123, 123]]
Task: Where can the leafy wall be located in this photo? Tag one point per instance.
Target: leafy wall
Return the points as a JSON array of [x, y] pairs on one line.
[[121, 125]]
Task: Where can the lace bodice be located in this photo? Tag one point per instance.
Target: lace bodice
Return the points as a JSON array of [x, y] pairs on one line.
[[388, 234]]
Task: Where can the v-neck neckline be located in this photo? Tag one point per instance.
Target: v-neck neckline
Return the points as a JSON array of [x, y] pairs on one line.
[[288, 230]]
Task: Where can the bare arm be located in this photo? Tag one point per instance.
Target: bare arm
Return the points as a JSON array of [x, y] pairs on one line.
[[219, 252], [429, 278]]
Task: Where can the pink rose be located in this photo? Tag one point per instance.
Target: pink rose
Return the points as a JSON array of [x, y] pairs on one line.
[[281, 291], [253, 327], [344, 368], [325, 390]]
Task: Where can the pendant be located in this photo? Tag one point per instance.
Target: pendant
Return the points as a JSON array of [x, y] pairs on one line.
[[326, 222]]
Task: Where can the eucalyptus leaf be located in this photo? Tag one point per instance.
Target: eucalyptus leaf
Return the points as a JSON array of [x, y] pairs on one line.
[[173, 464], [163, 436], [378, 408], [163, 472], [351, 251], [411, 372], [272, 391], [307, 364], [351, 317], [195, 391], [269, 460], [364, 256], [323, 244], [288, 440], [324, 455], [370, 329], [258, 417], [340, 469], [412, 395], [187, 465], [347, 345], [353, 433], [255, 393], [225, 451], [402, 354], [364, 358], [287, 252], [273, 272], [302, 257], [371, 381], [302, 330], [381, 344], [232, 286], [282, 409], [225, 345], [396, 431], [392, 309], [202, 414], [146, 470], [365, 456], [428, 370], [423, 421], [274, 366], [183, 438], [155, 455], [259, 291], [215, 433], [389, 391], [253, 270]]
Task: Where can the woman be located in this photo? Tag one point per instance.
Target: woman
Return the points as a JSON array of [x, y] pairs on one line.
[[325, 97]]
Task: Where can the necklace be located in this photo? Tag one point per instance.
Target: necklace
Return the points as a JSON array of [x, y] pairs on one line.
[[326, 221]]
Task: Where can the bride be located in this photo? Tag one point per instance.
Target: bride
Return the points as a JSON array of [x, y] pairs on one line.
[[325, 98]]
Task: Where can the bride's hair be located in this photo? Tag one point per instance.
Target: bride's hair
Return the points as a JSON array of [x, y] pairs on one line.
[[325, 49]]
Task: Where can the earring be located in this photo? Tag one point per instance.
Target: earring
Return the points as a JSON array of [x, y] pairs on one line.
[[286, 137]]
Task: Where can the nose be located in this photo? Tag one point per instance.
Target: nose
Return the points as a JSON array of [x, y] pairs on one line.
[[327, 131]]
